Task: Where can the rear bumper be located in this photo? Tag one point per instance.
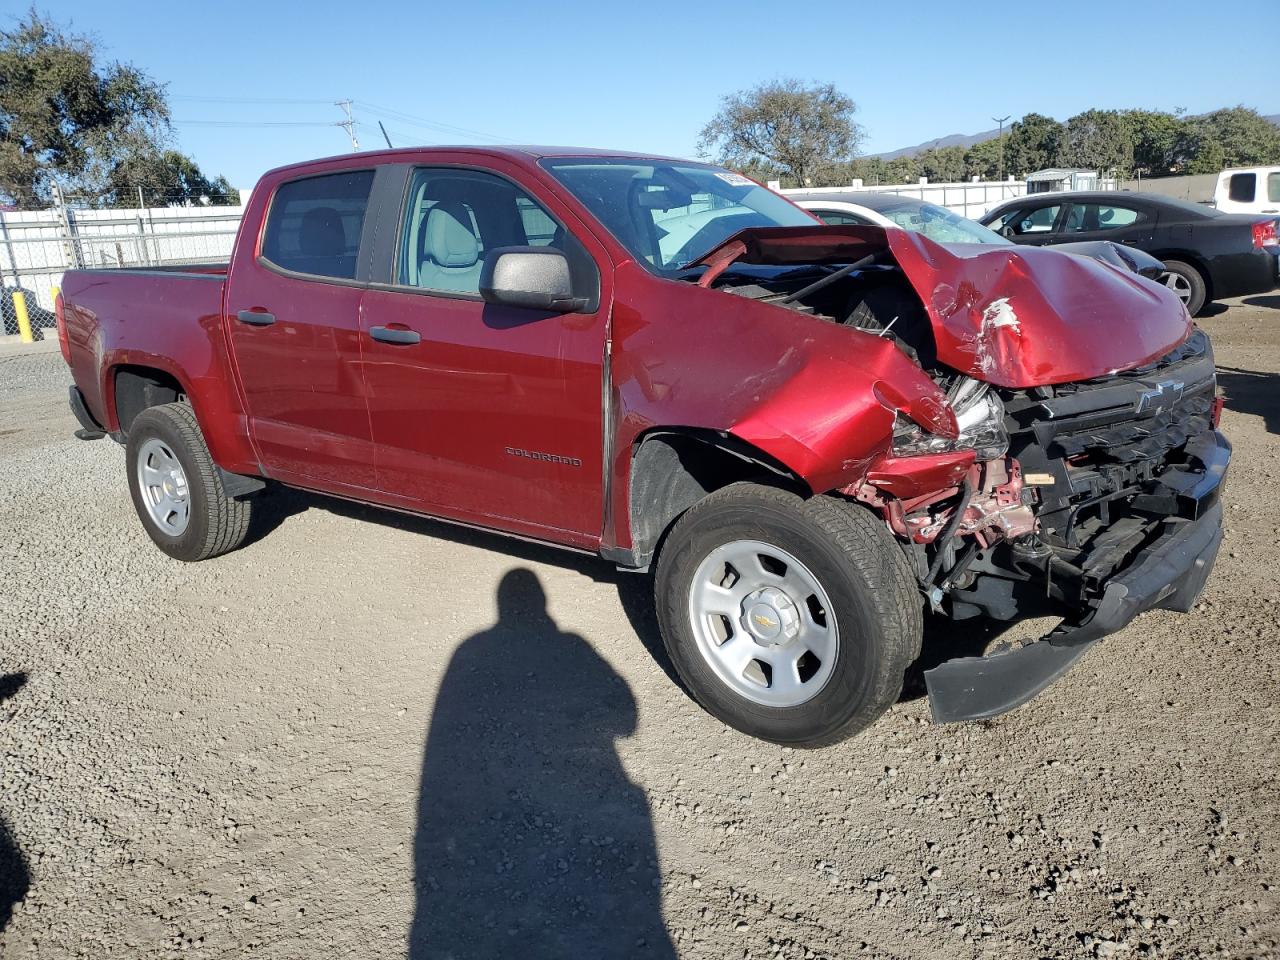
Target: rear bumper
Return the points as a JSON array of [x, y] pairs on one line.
[[90, 429], [1240, 275], [1168, 575]]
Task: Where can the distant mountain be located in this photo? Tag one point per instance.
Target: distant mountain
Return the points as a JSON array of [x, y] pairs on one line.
[[952, 140], [969, 139]]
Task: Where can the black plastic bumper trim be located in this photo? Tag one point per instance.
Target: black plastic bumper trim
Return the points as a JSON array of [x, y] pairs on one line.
[[90, 429], [1169, 575]]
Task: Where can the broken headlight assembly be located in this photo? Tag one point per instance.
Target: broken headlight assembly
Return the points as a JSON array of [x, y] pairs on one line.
[[979, 415]]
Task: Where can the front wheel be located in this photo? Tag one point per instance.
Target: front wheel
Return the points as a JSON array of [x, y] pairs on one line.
[[791, 620], [176, 488]]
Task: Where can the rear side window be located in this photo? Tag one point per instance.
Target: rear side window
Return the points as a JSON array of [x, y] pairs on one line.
[[1087, 217], [1243, 188], [838, 218], [1273, 187], [314, 225]]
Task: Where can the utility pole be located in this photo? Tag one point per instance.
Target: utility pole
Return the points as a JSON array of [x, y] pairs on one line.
[[1001, 120], [349, 124]]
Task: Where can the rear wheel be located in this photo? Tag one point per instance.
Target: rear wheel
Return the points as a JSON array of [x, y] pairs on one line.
[[176, 489], [791, 620], [1185, 281]]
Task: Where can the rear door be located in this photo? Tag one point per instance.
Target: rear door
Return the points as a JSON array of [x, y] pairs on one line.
[[1110, 220], [293, 319], [485, 413]]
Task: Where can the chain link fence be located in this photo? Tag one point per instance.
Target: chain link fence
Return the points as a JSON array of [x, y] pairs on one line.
[[38, 246]]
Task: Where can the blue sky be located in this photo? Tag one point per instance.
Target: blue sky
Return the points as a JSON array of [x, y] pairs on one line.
[[647, 76]]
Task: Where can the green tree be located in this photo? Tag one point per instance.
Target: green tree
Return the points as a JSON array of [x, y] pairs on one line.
[[1100, 140], [1034, 143], [942, 164], [1242, 136], [870, 170], [902, 170], [167, 178], [1155, 135], [795, 131], [982, 160], [67, 117]]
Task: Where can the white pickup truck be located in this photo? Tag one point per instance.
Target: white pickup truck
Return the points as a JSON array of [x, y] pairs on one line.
[[1248, 190]]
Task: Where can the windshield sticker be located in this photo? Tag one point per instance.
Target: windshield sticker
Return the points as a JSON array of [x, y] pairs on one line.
[[736, 180]]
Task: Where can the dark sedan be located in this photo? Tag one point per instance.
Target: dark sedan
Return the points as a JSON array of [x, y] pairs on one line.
[[1207, 255]]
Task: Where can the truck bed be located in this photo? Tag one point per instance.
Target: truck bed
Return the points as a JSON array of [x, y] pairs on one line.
[[143, 316]]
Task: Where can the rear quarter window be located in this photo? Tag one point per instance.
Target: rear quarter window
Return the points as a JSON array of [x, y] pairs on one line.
[[1243, 187], [314, 225], [1273, 187]]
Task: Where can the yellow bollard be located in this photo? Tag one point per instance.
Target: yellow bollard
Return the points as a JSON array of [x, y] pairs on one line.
[[24, 321]]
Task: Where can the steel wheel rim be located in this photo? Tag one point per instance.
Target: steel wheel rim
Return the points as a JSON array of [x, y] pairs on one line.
[[1178, 284], [162, 484], [763, 623]]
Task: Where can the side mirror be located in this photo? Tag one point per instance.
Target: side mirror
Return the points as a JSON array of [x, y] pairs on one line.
[[537, 278]]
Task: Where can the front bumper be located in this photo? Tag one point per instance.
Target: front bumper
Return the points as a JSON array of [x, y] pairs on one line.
[[1168, 575]]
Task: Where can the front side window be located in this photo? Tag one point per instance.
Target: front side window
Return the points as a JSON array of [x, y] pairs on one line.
[[1035, 221], [314, 225], [669, 213], [454, 217], [1088, 217], [1243, 187]]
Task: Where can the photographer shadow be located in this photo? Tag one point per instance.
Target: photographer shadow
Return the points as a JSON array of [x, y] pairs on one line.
[[531, 839]]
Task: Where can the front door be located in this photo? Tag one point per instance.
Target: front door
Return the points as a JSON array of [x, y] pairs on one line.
[[480, 412], [1032, 225], [293, 313]]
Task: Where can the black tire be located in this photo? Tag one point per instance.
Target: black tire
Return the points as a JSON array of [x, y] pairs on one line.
[[217, 523], [1194, 279], [878, 610]]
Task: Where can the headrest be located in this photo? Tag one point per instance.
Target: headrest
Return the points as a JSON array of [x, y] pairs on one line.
[[448, 238], [322, 233]]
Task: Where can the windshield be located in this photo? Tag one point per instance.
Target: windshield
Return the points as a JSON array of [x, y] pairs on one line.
[[937, 223], [669, 213]]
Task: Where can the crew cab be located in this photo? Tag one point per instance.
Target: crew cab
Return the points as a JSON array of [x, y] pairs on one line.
[[811, 434]]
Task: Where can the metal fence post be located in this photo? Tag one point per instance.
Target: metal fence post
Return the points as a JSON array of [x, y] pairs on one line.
[[142, 232], [73, 248]]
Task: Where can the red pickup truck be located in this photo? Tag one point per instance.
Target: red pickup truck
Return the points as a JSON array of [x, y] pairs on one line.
[[814, 433]]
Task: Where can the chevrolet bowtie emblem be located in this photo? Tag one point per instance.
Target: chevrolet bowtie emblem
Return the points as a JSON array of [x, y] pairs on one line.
[[762, 621], [1160, 398]]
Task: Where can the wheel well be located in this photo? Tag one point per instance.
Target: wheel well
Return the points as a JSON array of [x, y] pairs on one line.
[[1191, 260], [672, 469], [137, 388]]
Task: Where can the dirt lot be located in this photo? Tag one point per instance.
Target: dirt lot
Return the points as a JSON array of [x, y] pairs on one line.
[[247, 757]]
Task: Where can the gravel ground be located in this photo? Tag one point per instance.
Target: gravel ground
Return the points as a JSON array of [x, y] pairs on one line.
[[250, 756]]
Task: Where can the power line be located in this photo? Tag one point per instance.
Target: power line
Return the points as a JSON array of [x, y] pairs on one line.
[[259, 123], [197, 99], [417, 121]]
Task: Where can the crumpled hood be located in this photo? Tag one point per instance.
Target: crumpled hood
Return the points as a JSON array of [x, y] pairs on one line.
[[1012, 316]]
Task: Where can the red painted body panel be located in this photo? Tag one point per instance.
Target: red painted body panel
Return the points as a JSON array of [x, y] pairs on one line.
[[168, 322], [1012, 316], [798, 388], [447, 426], [1027, 316]]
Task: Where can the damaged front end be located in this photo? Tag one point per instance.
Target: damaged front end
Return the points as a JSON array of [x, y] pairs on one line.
[[1079, 472], [1104, 505]]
